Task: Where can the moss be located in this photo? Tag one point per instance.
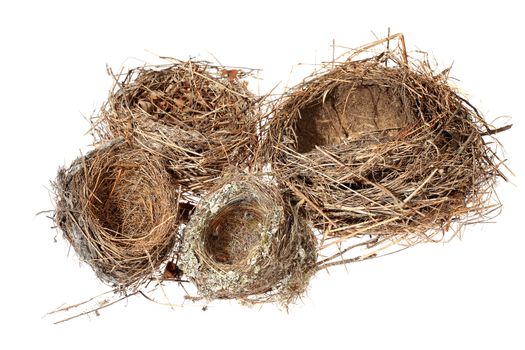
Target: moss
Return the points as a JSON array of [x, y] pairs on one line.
[[268, 268]]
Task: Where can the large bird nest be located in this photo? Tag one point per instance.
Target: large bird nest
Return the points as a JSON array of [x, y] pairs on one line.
[[117, 208], [245, 242], [382, 147], [200, 117]]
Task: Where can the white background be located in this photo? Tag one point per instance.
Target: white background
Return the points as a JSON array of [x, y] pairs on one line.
[[53, 55]]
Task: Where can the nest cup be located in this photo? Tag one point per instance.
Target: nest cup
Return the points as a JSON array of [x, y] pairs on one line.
[[117, 208], [245, 242], [382, 146], [199, 117]]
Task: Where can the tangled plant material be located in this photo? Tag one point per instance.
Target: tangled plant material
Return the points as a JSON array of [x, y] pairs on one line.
[[245, 242], [117, 208], [382, 149], [200, 117], [376, 150]]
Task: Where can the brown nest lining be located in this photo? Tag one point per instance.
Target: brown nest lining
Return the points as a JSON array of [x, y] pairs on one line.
[[200, 117], [245, 242], [117, 208], [382, 146]]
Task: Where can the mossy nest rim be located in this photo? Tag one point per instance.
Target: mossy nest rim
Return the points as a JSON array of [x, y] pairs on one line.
[[118, 210], [244, 242]]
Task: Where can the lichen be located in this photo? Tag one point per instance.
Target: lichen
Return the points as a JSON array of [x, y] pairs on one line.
[[263, 271]]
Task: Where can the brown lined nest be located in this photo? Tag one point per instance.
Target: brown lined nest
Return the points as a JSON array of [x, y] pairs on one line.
[[382, 149], [118, 210], [200, 117], [245, 242]]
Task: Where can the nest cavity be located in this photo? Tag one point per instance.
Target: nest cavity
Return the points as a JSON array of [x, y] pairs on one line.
[[382, 146], [245, 242], [199, 117], [118, 209]]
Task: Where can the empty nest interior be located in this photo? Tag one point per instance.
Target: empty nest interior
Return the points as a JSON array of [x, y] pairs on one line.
[[382, 150], [119, 212], [244, 242], [200, 117]]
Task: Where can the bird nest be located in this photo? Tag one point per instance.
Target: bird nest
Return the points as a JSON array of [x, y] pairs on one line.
[[382, 146], [245, 242], [374, 150], [199, 117], [117, 208]]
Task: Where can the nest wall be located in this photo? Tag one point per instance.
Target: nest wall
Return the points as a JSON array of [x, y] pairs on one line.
[[245, 242], [382, 147], [117, 208], [199, 117]]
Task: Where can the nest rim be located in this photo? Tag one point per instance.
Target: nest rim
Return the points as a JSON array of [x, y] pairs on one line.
[[109, 229], [271, 270], [384, 202], [200, 117]]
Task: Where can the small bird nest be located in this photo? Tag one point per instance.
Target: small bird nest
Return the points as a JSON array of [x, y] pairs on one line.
[[245, 242], [200, 117], [117, 208], [382, 146]]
